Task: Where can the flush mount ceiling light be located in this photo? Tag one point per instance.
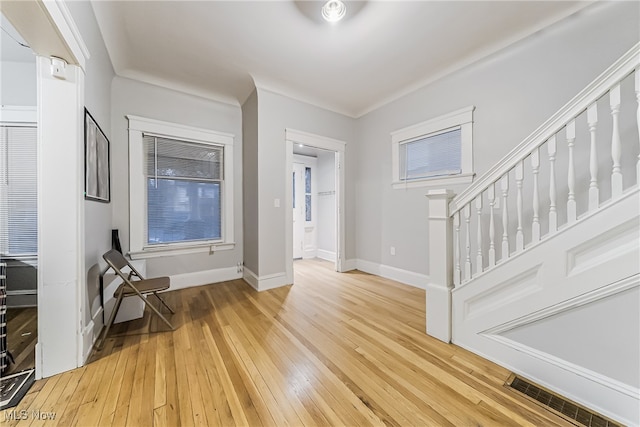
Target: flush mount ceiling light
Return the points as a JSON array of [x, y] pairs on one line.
[[334, 10]]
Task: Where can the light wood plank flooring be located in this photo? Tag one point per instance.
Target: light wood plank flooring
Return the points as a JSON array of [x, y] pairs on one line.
[[333, 349]]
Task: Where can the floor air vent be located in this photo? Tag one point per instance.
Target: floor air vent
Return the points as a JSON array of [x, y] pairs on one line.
[[563, 407]]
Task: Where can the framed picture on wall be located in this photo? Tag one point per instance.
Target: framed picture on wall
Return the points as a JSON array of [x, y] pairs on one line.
[[97, 177]]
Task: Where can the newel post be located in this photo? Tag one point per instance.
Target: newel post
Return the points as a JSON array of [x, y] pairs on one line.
[[440, 265]]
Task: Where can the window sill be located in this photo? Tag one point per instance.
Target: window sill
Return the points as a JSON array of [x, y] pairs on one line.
[[163, 251], [439, 181]]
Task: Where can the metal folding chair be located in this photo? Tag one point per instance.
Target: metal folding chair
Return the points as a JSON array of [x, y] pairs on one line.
[[130, 286]]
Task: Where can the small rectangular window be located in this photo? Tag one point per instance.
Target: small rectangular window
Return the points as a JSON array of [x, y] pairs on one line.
[[435, 153], [432, 155]]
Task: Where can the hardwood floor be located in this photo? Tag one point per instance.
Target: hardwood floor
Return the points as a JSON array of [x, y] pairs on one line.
[[22, 335], [333, 349]]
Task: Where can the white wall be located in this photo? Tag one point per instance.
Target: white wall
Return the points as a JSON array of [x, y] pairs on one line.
[[251, 181], [326, 218], [145, 100], [97, 216], [18, 83], [277, 113], [514, 92]]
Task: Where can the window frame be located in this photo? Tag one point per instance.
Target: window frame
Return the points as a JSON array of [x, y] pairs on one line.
[[139, 126], [462, 118]]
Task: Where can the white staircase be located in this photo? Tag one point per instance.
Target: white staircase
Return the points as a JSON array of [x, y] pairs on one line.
[[540, 270]]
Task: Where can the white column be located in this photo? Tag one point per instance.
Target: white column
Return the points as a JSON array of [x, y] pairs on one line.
[[60, 218], [438, 292]]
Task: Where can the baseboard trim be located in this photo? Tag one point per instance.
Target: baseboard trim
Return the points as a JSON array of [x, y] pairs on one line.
[[206, 277], [326, 255], [590, 375], [264, 283], [309, 253], [349, 264], [90, 335], [406, 277], [368, 267], [625, 407]]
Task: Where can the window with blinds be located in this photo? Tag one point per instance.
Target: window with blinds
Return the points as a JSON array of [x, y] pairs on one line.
[[18, 192], [185, 186], [433, 155]]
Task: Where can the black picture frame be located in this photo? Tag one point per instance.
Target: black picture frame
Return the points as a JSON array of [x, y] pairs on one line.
[[97, 173]]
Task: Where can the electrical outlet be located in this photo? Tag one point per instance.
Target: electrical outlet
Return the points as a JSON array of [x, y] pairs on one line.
[[392, 250]]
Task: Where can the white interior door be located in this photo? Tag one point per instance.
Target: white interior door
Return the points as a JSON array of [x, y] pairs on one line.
[[298, 210]]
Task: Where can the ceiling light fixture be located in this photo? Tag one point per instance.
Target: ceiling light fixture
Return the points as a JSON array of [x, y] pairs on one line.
[[334, 10]]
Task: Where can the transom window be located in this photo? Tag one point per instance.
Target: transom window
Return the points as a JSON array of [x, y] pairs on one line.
[[437, 152]]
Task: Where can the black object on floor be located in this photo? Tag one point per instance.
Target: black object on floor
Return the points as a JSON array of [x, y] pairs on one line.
[[14, 387]]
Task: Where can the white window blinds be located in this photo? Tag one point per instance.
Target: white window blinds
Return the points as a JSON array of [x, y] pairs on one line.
[[184, 190], [18, 191], [433, 155]]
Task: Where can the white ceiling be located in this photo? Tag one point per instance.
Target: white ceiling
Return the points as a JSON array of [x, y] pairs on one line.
[[380, 51], [11, 42]]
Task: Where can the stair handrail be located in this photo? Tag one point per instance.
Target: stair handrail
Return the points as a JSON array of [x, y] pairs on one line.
[[624, 66]]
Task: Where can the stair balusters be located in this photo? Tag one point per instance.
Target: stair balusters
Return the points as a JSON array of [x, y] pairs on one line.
[[637, 78], [479, 260], [535, 169], [571, 173], [467, 220], [553, 213], [594, 191], [616, 143], [504, 186], [492, 227], [456, 248], [528, 199], [519, 232]]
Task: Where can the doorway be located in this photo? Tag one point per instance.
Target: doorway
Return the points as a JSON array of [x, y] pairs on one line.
[[314, 203], [315, 196], [18, 201]]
